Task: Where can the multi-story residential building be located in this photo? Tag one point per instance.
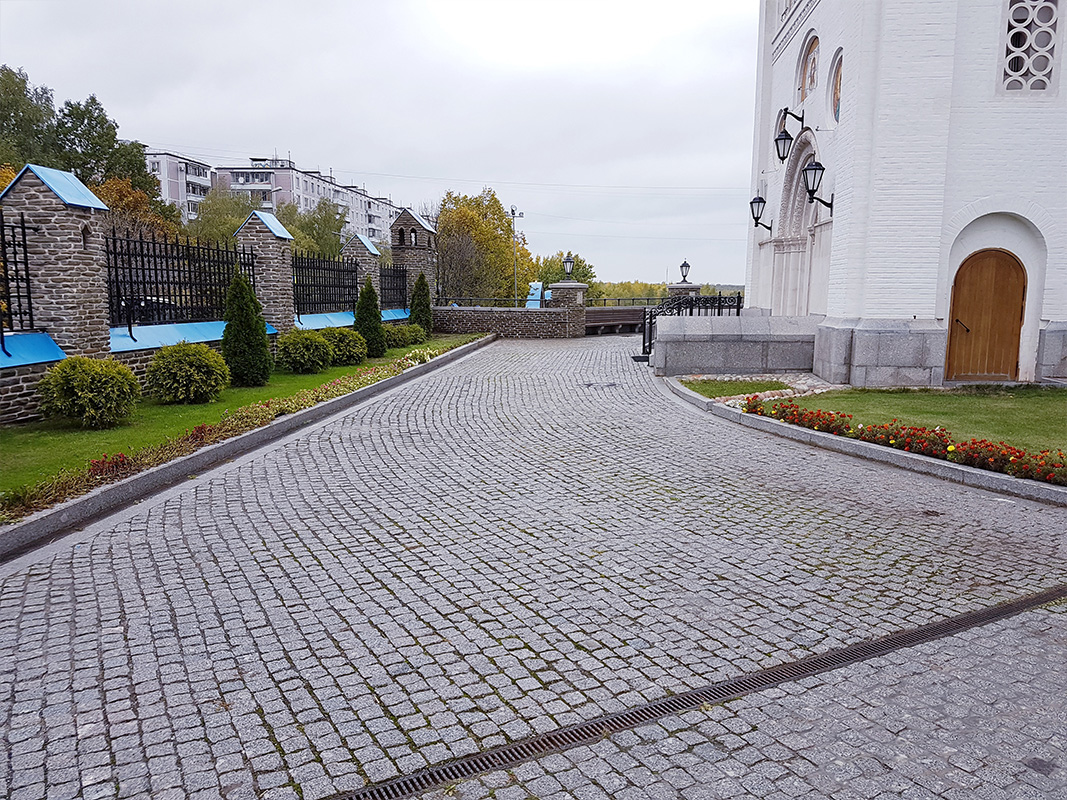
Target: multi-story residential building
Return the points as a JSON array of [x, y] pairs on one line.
[[183, 181], [274, 181]]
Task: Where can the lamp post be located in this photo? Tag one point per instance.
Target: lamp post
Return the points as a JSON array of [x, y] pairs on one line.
[[515, 250], [685, 271], [568, 265]]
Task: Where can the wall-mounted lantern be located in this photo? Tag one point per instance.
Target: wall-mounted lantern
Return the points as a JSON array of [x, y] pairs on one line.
[[756, 205], [813, 173], [783, 142]]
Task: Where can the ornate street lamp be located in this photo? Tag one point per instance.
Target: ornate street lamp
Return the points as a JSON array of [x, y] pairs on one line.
[[685, 271], [813, 173], [756, 205], [568, 265]]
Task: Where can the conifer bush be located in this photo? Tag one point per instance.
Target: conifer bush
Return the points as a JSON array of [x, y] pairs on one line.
[[349, 347], [403, 335], [369, 321], [304, 351], [99, 392], [421, 307], [245, 345], [186, 373]]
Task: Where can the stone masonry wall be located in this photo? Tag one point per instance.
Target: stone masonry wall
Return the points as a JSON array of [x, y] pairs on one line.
[[512, 323], [68, 271], [18, 393]]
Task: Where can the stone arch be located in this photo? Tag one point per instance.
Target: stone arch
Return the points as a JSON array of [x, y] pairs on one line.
[[796, 214], [400, 237], [86, 237]]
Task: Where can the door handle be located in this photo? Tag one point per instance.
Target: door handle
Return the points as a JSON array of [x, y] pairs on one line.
[[962, 325]]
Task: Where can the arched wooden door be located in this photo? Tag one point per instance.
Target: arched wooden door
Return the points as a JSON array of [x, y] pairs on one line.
[[986, 318]]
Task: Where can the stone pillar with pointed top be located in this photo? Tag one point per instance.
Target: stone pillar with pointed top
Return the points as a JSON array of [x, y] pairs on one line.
[[265, 235], [65, 257]]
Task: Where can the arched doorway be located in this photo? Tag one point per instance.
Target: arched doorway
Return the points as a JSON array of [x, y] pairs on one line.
[[986, 318]]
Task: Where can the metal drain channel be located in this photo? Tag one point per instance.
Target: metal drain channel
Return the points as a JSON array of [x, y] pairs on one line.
[[510, 755]]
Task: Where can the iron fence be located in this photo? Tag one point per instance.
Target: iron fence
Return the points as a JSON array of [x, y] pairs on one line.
[[153, 281], [16, 293], [596, 302], [324, 285], [716, 305], [394, 286]]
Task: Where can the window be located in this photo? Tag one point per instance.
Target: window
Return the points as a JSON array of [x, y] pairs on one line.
[[155, 166], [414, 238], [809, 76], [835, 92], [1030, 44], [400, 234]]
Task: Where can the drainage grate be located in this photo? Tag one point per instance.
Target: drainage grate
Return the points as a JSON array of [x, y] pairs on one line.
[[511, 755]]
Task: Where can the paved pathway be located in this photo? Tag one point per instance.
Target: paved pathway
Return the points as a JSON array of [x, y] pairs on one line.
[[534, 536]]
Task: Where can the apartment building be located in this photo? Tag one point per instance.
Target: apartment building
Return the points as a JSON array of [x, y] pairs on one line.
[[183, 181], [274, 181]]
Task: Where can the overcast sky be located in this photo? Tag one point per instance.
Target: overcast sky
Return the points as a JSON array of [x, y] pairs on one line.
[[622, 129]]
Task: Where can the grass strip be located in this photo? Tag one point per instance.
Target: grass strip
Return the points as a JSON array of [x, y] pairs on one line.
[[732, 388]]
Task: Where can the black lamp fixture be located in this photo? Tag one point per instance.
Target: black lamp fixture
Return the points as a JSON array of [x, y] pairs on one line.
[[685, 271], [756, 206], [783, 142], [813, 173], [568, 265]]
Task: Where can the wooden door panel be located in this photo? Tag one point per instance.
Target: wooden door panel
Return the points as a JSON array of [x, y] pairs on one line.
[[986, 318]]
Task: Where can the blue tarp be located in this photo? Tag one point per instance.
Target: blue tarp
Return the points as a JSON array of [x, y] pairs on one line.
[[29, 348], [149, 337], [533, 299], [66, 186], [272, 222], [394, 314]]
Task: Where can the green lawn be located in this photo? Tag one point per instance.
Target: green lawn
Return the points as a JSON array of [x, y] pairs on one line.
[[39, 450], [712, 388], [1032, 418]]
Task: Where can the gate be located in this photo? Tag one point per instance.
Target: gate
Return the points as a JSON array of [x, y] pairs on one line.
[[16, 295], [714, 305]]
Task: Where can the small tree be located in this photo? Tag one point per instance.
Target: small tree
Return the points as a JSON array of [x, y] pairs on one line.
[[244, 340], [421, 311], [369, 321]]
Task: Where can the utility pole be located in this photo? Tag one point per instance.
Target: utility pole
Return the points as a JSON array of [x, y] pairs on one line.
[[515, 250]]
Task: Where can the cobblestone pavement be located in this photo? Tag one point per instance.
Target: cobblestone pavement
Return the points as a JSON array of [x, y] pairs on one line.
[[531, 537]]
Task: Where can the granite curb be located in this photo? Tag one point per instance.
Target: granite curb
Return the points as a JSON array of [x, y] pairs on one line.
[[946, 470], [53, 523]]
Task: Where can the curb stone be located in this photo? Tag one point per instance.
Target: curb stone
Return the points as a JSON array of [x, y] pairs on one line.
[[946, 470], [50, 524]]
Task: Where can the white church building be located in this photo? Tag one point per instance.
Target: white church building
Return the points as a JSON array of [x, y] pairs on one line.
[[910, 160]]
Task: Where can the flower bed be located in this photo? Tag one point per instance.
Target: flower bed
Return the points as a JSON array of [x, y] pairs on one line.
[[114, 467], [1048, 465]]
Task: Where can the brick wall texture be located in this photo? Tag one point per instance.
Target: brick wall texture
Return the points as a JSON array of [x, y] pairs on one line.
[[274, 273]]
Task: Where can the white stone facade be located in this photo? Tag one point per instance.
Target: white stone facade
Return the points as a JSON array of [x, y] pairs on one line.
[[951, 138]]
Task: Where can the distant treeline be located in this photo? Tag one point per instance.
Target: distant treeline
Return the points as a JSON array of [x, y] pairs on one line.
[[633, 289]]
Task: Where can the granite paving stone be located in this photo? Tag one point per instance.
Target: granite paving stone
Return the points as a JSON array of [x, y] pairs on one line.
[[535, 535]]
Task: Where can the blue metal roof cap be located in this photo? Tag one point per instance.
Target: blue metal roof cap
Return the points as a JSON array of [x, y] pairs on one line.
[[367, 243], [149, 337], [272, 222], [31, 347], [65, 185]]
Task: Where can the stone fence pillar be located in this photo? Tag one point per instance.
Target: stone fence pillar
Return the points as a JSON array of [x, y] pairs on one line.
[[272, 245], [570, 295], [683, 289], [67, 263], [368, 262]]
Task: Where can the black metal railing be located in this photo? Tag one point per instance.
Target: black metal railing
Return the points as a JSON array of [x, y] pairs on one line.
[[324, 285], [715, 305], [16, 292], [394, 287], [153, 281]]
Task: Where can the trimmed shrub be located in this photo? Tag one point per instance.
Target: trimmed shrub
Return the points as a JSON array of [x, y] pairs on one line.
[[186, 373], [403, 335], [98, 392], [421, 308], [304, 351], [245, 346], [369, 321], [348, 346]]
